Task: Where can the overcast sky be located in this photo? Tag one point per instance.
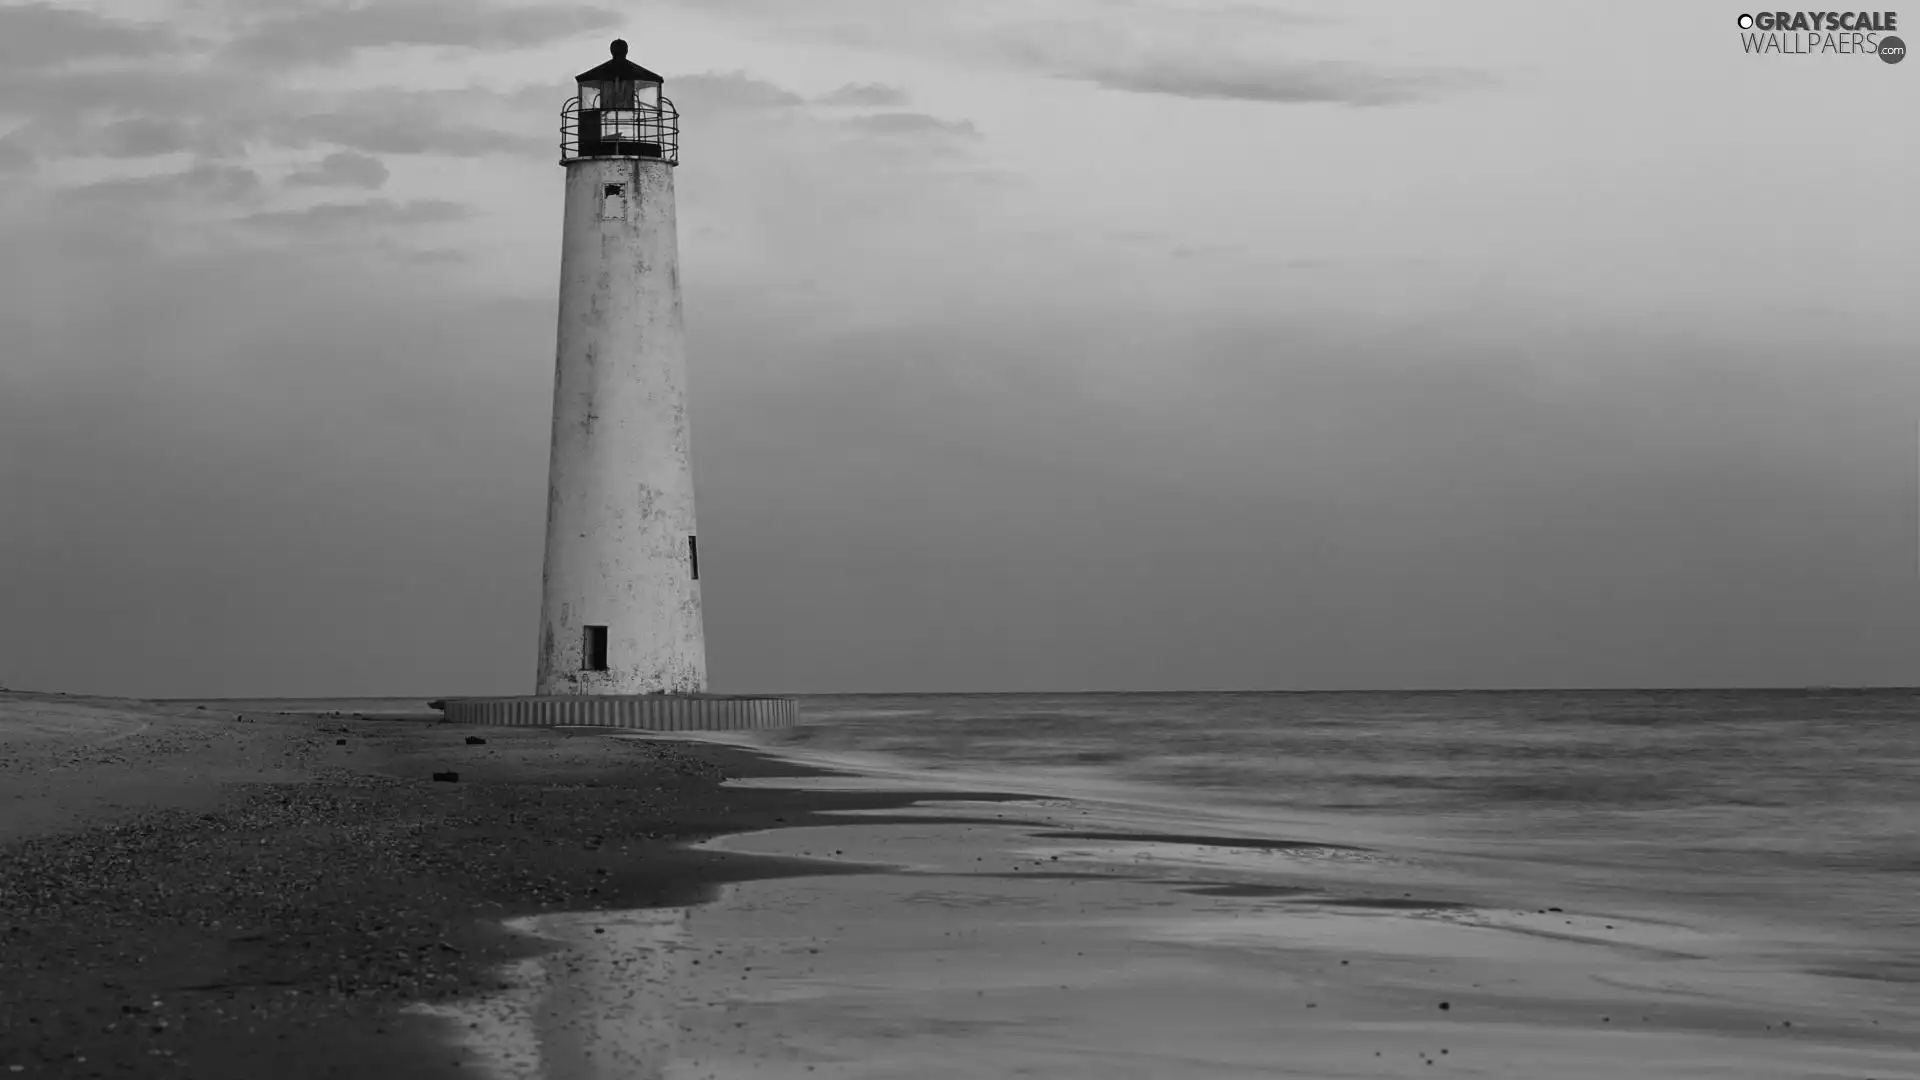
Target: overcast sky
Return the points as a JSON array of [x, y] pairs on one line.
[[1035, 344]]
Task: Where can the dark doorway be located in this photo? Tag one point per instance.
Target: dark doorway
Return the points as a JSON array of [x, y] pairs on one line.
[[595, 653]]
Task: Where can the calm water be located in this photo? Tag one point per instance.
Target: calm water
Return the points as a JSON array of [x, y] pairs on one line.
[[1795, 811]]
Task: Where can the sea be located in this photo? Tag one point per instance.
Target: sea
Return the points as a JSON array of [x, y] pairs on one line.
[[1793, 815]]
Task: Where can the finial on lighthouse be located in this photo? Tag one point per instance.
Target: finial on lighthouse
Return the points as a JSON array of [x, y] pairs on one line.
[[618, 48]]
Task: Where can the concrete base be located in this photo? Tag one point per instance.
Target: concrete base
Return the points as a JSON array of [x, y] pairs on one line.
[[645, 712]]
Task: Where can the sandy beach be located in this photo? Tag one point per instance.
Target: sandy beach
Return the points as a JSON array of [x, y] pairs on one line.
[[599, 905], [262, 888]]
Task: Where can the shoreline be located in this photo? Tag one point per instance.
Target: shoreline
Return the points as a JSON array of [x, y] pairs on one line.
[[1058, 937], [215, 894], [588, 904]]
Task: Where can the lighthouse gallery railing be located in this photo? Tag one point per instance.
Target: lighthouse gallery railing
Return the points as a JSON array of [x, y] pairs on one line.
[[641, 132]]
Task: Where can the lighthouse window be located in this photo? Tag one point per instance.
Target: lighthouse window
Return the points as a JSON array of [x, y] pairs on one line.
[[693, 555], [614, 191], [595, 653]]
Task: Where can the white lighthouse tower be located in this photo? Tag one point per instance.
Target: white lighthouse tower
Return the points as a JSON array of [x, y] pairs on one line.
[[620, 597], [622, 642]]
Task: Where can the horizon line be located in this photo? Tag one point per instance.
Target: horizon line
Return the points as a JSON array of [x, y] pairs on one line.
[[1778, 688]]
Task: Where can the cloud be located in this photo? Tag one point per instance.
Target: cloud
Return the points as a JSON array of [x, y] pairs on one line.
[[67, 94], [342, 169], [1201, 251], [1290, 83], [143, 136], [44, 35], [425, 256], [402, 124], [912, 124], [1234, 54], [729, 90], [209, 180], [872, 95], [218, 115], [14, 157], [152, 134], [332, 34], [328, 217], [1241, 52], [546, 97]]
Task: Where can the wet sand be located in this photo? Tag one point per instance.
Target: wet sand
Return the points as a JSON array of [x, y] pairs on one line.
[[1091, 938]]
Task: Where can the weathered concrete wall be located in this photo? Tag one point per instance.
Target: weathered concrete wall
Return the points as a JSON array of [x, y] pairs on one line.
[[620, 482]]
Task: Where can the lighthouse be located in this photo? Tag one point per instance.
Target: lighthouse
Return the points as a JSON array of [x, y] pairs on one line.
[[622, 635], [620, 590]]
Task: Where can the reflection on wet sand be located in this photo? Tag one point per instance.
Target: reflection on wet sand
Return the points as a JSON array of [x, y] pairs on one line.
[[1063, 940]]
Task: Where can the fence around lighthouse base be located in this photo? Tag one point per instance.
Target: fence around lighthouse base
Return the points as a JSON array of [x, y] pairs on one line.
[[638, 712]]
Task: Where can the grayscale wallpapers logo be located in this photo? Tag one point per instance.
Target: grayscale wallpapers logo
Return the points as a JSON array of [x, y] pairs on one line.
[[1836, 33]]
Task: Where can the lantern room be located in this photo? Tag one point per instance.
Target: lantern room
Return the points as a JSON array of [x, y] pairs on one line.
[[619, 112]]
